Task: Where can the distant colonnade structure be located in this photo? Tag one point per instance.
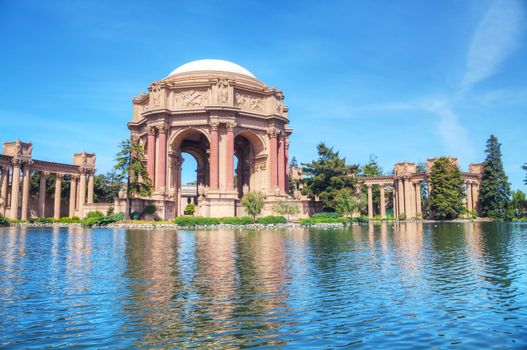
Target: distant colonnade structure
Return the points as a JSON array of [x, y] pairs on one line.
[[406, 184], [16, 168]]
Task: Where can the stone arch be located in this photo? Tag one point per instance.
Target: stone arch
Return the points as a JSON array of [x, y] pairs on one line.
[[178, 136], [249, 148]]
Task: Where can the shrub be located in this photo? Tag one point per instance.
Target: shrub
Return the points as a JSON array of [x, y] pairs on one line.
[[4, 221], [41, 220], [69, 220], [323, 220], [196, 221], [286, 208], [253, 203], [268, 220], [329, 215], [190, 209], [109, 211], [150, 209], [97, 218], [362, 219], [237, 220], [135, 215]]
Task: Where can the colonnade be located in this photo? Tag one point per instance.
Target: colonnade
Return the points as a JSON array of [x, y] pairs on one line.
[[157, 151], [15, 188]]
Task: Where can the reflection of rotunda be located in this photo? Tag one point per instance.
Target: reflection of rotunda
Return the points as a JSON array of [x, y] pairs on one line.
[[213, 110]]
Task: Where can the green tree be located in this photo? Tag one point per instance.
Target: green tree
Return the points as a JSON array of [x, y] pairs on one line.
[[494, 196], [293, 183], [106, 187], [130, 167], [519, 203], [446, 196], [253, 203], [286, 208], [348, 202], [524, 167], [328, 174]]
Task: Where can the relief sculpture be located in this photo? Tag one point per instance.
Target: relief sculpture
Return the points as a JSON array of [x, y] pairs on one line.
[[249, 102], [190, 98]]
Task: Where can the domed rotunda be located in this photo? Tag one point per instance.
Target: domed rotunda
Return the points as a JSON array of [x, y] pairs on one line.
[[215, 111]]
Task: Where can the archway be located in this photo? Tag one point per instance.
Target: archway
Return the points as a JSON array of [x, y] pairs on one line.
[[249, 152], [189, 168]]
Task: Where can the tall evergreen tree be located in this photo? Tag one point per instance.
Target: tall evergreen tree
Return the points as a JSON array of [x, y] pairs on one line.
[[328, 174], [446, 196], [524, 167], [494, 197]]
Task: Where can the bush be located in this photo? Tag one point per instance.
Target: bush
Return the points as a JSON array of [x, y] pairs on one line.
[[69, 220], [253, 203], [196, 221], [362, 219], [327, 215], [237, 220], [109, 211], [190, 209], [323, 220], [4, 221], [97, 218], [150, 209], [268, 220], [135, 215], [41, 220]]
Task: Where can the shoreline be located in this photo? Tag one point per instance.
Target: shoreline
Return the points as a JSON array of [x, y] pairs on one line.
[[172, 226]]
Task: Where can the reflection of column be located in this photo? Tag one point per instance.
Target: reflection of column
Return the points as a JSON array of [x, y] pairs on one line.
[[42, 195], [73, 194], [15, 188], [382, 204], [475, 195], [179, 163], [90, 187], [272, 165], [25, 191], [230, 157], [418, 209], [3, 190], [370, 201], [469, 197], [162, 158], [214, 149], [281, 163], [82, 193], [151, 153], [56, 206]]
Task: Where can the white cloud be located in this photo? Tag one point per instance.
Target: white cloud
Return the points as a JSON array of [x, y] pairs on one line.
[[496, 36]]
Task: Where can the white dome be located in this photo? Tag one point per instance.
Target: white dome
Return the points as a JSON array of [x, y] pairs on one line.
[[212, 65]]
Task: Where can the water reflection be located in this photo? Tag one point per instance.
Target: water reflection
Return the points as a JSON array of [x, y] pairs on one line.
[[407, 285]]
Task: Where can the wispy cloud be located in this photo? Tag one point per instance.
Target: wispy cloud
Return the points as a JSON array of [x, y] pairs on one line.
[[496, 36]]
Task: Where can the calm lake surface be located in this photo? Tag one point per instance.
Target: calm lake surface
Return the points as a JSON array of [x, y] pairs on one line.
[[404, 286]]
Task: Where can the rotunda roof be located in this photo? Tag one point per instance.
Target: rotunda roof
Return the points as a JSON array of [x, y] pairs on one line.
[[211, 65]]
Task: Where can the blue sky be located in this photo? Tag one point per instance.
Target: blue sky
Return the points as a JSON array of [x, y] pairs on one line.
[[356, 74]]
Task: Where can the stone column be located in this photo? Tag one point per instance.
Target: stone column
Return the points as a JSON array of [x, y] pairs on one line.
[[281, 164], [475, 195], [394, 200], [162, 158], [409, 198], [15, 189], [418, 209], [56, 203], [82, 193], [151, 153], [230, 157], [382, 204], [469, 197], [25, 191], [370, 201], [286, 166], [273, 156], [42, 195], [214, 156], [90, 187], [3, 190], [400, 198], [73, 195]]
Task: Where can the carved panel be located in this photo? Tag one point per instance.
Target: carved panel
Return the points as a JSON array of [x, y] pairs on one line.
[[249, 102], [189, 98]]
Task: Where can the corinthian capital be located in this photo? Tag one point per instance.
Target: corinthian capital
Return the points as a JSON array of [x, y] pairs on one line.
[[151, 130], [272, 132], [214, 125], [230, 126]]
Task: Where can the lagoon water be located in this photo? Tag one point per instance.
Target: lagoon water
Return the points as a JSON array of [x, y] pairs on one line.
[[392, 286]]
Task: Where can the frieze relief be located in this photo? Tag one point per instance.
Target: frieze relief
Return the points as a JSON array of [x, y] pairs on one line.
[[249, 102], [190, 98]]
